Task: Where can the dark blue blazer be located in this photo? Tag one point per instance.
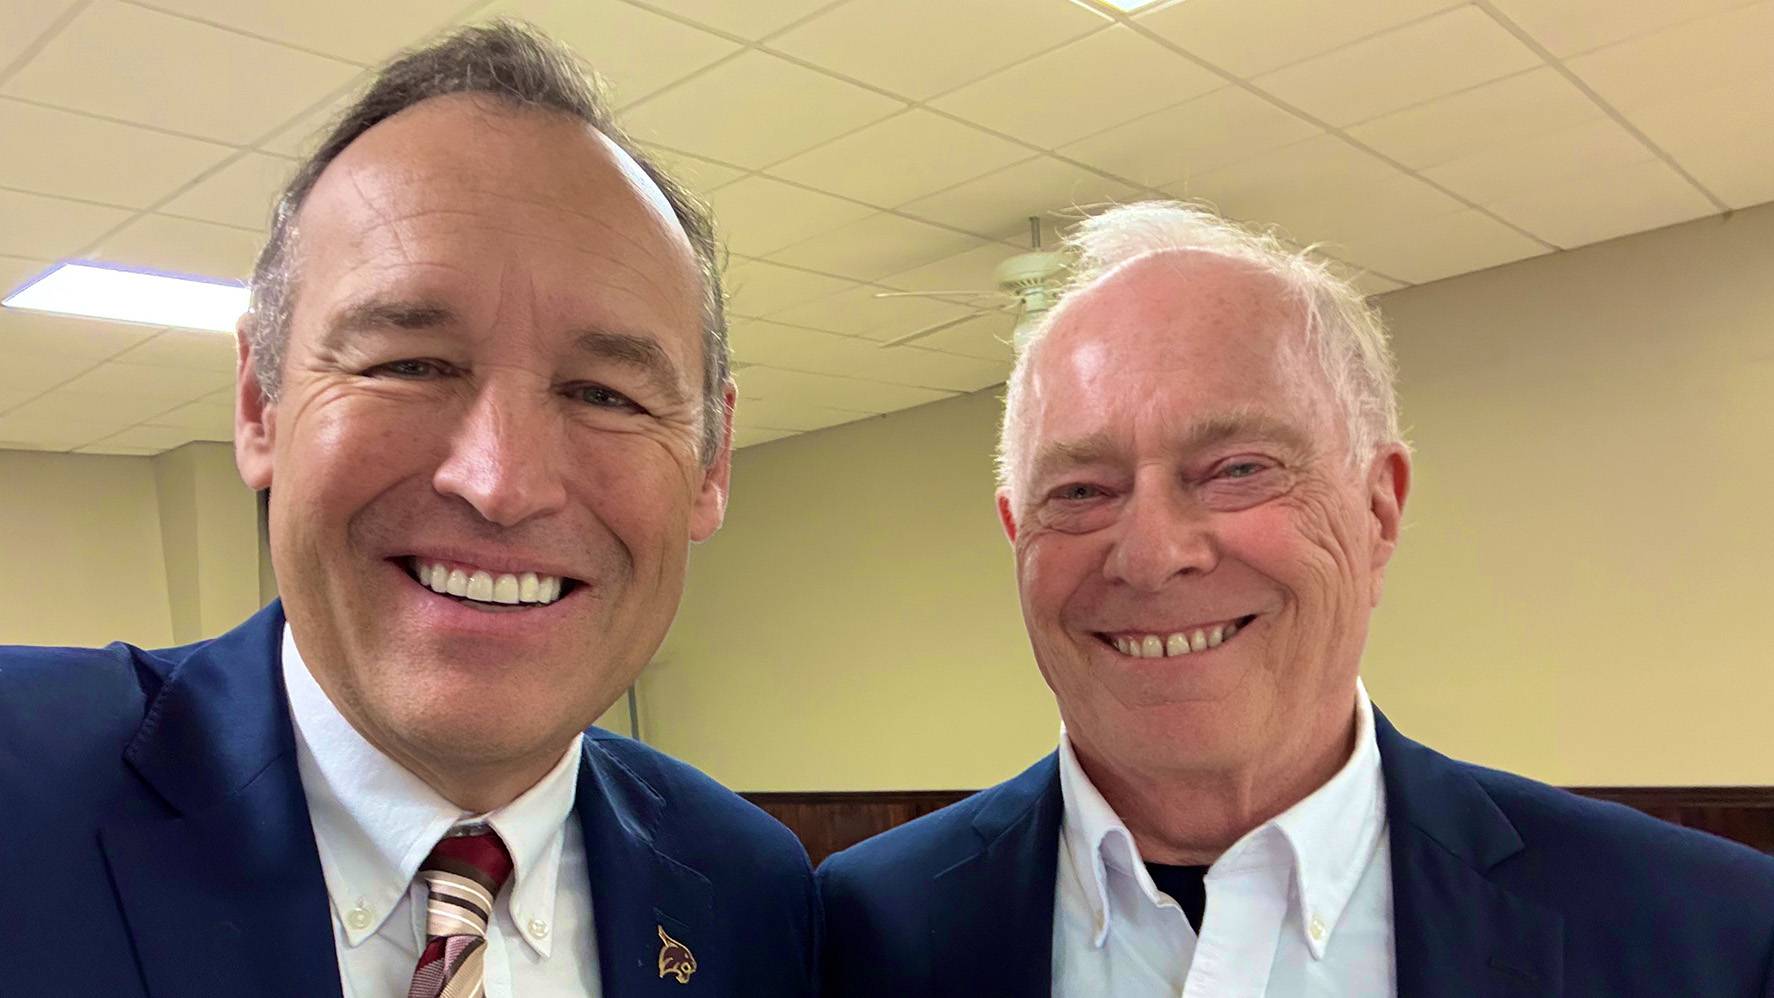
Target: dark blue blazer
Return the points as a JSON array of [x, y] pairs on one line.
[[1500, 887], [155, 841]]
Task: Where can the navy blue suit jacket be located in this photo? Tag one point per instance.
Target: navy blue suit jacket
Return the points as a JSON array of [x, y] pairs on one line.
[[155, 841], [1500, 887]]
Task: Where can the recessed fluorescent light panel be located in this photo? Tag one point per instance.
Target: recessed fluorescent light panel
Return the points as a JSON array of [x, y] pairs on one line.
[[105, 291]]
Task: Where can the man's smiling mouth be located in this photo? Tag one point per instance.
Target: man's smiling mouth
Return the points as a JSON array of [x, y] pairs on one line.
[[487, 590], [1172, 644]]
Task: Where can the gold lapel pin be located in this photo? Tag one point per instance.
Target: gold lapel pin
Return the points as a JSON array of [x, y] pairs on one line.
[[675, 959]]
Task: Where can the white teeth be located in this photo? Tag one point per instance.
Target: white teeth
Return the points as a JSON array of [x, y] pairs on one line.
[[508, 588], [1215, 636], [1170, 646], [1175, 645], [1152, 647], [1231, 629], [1198, 640]]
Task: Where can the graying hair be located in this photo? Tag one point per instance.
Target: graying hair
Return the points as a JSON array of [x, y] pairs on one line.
[[519, 66], [1347, 333]]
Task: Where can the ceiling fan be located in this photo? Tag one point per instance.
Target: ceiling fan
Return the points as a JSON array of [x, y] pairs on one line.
[[1027, 284]]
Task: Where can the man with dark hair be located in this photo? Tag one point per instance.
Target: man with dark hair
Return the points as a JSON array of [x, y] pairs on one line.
[[484, 379]]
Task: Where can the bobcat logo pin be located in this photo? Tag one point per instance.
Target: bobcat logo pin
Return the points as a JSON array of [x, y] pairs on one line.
[[675, 959]]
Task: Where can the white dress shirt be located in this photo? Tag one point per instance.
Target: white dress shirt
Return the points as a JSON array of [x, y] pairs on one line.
[[375, 822], [1301, 905]]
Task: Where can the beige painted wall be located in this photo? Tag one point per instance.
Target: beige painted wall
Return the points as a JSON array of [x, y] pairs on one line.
[[1578, 595], [80, 554], [210, 534]]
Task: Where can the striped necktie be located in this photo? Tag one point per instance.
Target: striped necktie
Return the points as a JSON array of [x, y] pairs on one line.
[[463, 875]]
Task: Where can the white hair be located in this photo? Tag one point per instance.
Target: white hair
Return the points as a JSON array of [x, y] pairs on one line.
[[1349, 336]]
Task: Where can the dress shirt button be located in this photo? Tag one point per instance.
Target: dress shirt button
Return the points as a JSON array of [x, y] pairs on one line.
[[538, 928], [1315, 929], [359, 916]]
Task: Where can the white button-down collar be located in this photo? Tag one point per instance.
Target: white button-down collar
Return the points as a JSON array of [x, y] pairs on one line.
[[1327, 839], [375, 822]]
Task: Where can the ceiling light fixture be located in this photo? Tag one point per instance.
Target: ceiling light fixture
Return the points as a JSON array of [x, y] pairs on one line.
[[107, 291]]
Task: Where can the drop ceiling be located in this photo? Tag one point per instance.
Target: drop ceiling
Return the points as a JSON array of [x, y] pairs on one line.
[[861, 146]]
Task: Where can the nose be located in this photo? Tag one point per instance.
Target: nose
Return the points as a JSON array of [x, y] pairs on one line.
[[504, 457], [1163, 533]]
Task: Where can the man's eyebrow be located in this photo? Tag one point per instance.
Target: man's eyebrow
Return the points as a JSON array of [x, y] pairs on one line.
[[641, 353], [392, 313]]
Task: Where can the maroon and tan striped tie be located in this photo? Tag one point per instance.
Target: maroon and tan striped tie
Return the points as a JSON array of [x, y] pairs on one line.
[[463, 874]]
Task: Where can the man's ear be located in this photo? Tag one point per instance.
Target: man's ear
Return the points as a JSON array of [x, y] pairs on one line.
[[1006, 516], [253, 424], [1389, 485], [710, 508]]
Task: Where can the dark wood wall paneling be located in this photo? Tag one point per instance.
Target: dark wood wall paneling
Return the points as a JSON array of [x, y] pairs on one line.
[[829, 821]]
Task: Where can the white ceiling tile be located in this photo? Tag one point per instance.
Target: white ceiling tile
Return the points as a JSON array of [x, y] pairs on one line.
[[1690, 58], [78, 156], [1431, 58], [22, 24], [198, 351], [875, 246], [376, 30], [242, 193], [759, 288], [700, 175], [38, 433], [1249, 38], [636, 51], [906, 156], [302, 132], [1000, 203], [34, 336], [1417, 251], [1043, 101], [1210, 131], [793, 387], [759, 215], [168, 385], [754, 110], [36, 225], [176, 74], [1604, 204], [751, 20], [1730, 147], [987, 337], [920, 48], [16, 270], [208, 420], [743, 437], [795, 349], [1567, 27], [13, 397], [153, 439], [858, 312], [787, 414], [1509, 110], [1320, 189], [182, 246], [114, 412], [1510, 168], [973, 271], [1373, 285]]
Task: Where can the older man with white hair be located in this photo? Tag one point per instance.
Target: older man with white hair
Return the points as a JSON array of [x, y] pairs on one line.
[[1203, 480]]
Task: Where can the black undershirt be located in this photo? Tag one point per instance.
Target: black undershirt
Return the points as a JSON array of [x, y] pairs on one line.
[[1186, 885]]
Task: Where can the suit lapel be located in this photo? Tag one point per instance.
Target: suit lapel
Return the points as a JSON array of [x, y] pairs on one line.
[[1457, 932], [643, 901], [992, 924], [225, 895]]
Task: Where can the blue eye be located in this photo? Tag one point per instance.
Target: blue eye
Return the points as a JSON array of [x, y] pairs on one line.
[[1076, 492], [409, 369], [1242, 469], [603, 398]]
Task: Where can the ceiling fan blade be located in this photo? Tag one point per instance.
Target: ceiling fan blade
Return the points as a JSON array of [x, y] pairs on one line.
[[976, 293], [930, 330]]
